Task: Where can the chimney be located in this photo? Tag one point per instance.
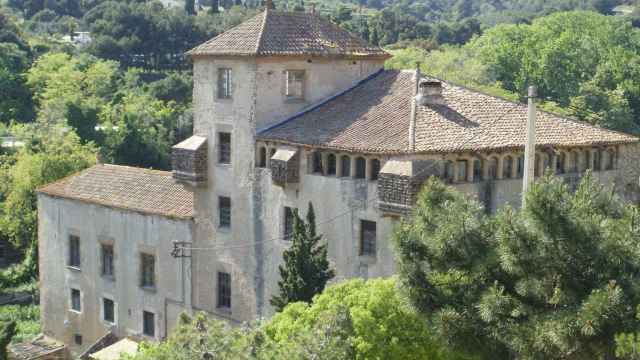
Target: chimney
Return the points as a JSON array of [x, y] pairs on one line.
[[430, 93]]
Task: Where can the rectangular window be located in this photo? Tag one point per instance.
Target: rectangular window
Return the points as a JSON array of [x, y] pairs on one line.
[[288, 223], [295, 84], [462, 170], [148, 323], [224, 148], [77, 338], [224, 83], [76, 303], [147, 269], [367, 238], [107, 260], [108, 309], [224, 290], [224, 206], [74, 251]]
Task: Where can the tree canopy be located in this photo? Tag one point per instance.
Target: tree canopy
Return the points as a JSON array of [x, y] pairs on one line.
[[556, 280]]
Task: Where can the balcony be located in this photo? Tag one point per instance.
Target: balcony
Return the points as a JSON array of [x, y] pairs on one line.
[[189, 161]]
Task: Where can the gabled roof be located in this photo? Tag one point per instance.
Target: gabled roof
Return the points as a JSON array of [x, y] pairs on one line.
[[374, 117], [146, 191], [273, 33]]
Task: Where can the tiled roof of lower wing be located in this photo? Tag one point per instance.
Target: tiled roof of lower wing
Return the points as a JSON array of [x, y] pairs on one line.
[[375, 115], [129, 188]]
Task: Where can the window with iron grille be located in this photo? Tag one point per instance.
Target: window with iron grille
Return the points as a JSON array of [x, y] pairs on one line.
[[147, 269], [288, 223], [361, 168], [224, 290], [331, 164], [108, 310], [375, 169], [224, 206], [107, 260], [148, 323], [76, 303], [224, 148], [345, 165], [367, 238], [74, 251], [224, 83], [295, 84]]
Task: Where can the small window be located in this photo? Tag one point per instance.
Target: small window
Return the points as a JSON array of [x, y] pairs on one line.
[[493, 168], [295, 84], [520, 166], [224, 148], [108, 310], [148, 323], [462, 170], [224, 83], [224, 290], [224, 206], [345, 164], [560, 160], [262, 161], [361, 168], [507, 167], [74, 251], [77, 339], [477, 170], [148, 270], [316, 159], [367, 238], [76, 303], [288, 222], [375, 169], [107, 260], [448, 171], [331, 164]]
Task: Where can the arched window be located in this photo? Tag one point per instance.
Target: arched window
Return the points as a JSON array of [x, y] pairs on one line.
[[477, 170], [493, 168], [507, 167], [462, 170], [560, 160], [596, 160], [610, 159], [586, 159], [345, 164], [520, 167], [361, 168], [375, 169], [536, 167], [574, 162], [331, 164], [262, 157], [448, 171], [317, 162]]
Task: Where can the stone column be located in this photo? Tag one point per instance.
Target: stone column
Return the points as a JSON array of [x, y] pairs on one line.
[[470, 169], [500, 169], [353, 166], [339, 165]]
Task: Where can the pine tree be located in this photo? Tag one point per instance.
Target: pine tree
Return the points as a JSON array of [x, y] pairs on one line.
[[306, 268]]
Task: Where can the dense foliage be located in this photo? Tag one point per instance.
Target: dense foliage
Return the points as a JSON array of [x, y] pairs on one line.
[[305, 269], [556, 280], [7, 331], [26, 319], [356, 319]]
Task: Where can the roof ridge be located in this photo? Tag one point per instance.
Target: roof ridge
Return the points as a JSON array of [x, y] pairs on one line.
[[323, 102], [265, 17]]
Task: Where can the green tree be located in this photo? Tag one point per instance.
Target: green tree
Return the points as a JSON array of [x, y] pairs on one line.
[[306, 268], [555, 280]]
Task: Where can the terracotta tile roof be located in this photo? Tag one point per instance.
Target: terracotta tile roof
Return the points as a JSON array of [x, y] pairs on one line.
[[374, 117], [288, 33], [141, 190]]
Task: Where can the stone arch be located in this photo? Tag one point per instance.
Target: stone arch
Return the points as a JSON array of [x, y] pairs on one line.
[[361, 168], [449, 171], [477, 169], [331, 164], [375, 169], [493, 167], [507, 167], [345, 166], [561, 159]]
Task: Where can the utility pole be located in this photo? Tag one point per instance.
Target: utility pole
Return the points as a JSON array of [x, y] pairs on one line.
[[530, 145]]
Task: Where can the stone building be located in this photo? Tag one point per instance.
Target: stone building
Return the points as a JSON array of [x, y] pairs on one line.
[[289, 109]]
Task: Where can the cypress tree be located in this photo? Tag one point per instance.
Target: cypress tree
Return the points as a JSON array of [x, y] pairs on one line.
[[306, 268]]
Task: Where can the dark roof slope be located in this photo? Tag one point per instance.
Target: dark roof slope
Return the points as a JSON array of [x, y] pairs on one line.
[[374, 117], [288, 33], [123, 187]]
